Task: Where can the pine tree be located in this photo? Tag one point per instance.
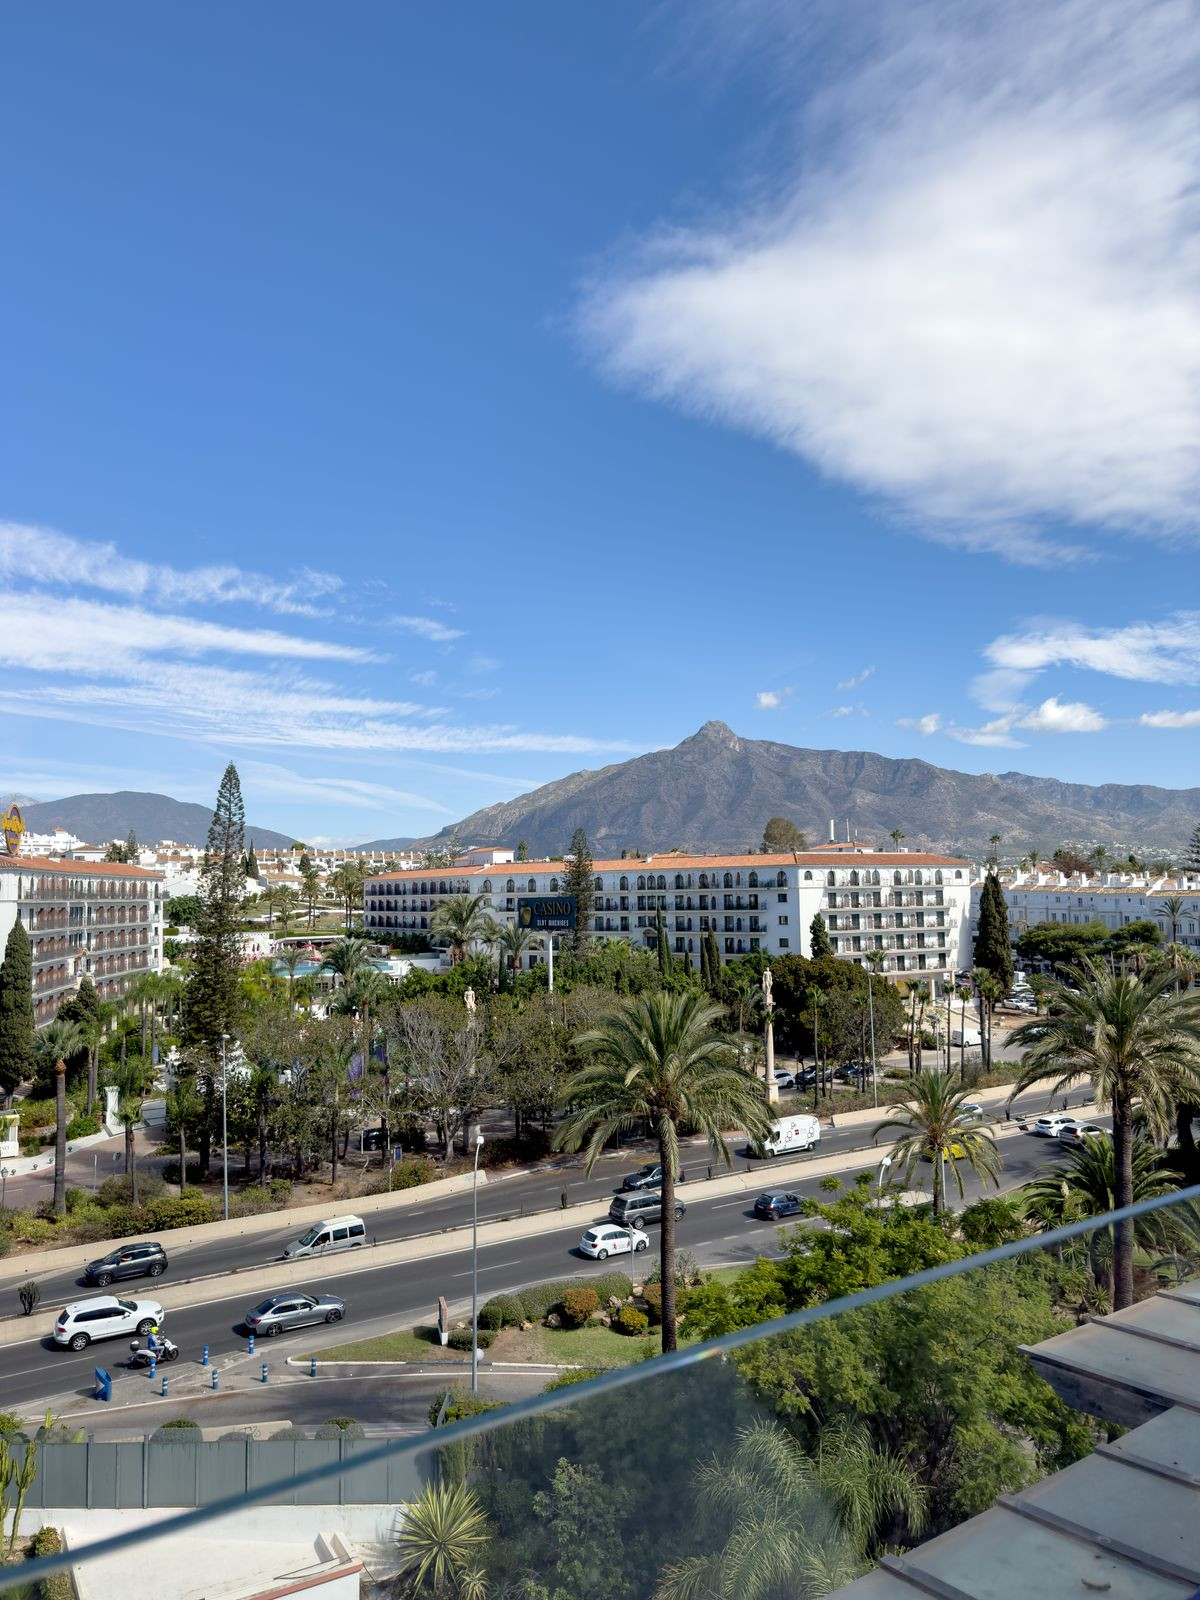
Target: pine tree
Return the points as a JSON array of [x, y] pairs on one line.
[[16, 1010], [251, 860], [131, 847], [211, 1001], [522, 851], [579, 884], [819, 944], [993, 943], [780, 836], [1191, 858]]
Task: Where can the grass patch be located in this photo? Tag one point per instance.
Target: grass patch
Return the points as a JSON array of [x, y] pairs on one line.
[[406, 1344]]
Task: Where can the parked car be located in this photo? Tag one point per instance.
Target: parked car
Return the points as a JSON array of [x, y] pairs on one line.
[[292, 1310], [1051, 1125], [852, 1072], [372, 1139], [783, 1079], [606, 1239], [105, 1317], [776, 1203], [647, 1177], [804, 1078], [144, 1259]]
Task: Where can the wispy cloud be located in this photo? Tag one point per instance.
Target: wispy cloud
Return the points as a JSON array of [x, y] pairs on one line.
[[261, 777], [428, 628], [771, 699], [54, 559], [930, 723], [425, 679], [1143, 652], [843, 711], [975, 298], [1170, 719], [1051, 716], [858, 681]]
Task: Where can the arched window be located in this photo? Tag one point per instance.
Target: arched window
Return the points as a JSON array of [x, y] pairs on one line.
[[807, 876], [854, 878], [679, 880], [641, 881], [918, 876], [937, 877], [958, 874], [553, 885], [487, 886], [510, 887], [831, 879], [781, 879], [624, 885], [875, 877], [597, 883], [752, 881], [728, 880], [533, 886], [897, 876], [704, 880], [662, 882]]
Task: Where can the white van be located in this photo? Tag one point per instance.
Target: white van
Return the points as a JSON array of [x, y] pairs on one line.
[[323, 1238], [789, 1133], [966, 1037]]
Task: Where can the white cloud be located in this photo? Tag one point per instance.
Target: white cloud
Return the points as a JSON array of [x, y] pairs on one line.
[[854, 683], [1056, 716], [771, 699], [1144, 652], [842, 711], [427, 628], [260, 777], [425, 679], [1170, 719], [976, 297], [997, 733], [929, 723], [46, 556]]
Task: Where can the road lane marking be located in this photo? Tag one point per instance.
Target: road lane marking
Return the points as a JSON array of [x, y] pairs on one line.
[[725, 1203]]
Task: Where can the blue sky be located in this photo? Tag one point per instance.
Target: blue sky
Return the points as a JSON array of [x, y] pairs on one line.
[[415, 404]]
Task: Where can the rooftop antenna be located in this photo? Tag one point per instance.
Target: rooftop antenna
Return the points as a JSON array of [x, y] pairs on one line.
[[832, 832]]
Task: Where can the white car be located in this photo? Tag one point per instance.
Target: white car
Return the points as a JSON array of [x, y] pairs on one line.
[[105, 1317], [1077, 1132], [606, 1239], [784, 1080], [1052, 1125], [971, 1111]]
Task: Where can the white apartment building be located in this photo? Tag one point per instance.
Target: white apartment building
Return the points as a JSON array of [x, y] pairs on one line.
[[913, 908], [92, 919], [1111, 898]]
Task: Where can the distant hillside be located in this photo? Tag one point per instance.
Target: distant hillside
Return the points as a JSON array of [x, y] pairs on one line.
[[716, 790], [96, 818]]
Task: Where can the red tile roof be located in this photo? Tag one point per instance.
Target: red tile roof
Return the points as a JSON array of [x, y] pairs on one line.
[[108, 869], [663, 863]]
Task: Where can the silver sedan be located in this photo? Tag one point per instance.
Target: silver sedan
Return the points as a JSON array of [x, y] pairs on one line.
[[292, 1310]]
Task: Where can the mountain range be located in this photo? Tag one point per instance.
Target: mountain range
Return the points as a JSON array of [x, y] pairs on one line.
[[97, 818], [716, 790]]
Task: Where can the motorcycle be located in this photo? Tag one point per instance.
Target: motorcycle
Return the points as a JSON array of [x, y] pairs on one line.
[[141, 1356]]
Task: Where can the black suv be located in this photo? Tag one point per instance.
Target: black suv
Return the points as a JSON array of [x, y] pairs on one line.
[[127, 1261], [647, 1177]]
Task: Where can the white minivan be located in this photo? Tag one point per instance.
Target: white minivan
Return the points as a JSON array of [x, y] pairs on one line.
[[323, 1238]]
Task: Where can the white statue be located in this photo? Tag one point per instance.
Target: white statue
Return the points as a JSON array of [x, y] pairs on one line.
[[768, 984], [469, 1000]]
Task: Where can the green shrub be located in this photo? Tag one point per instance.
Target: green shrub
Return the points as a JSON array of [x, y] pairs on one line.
[[31, 1147], [81, 1126], [9, 1422], [36, 1114], [30, 1229], [578, 1305], [178, 1431], [612, 1286], [30, 1295], [509, 1307], [46, 1542], [280, 1189], [346, 1426], [124, 1221], [460, 1339], [290, 1433], [631, 1321], [652, 1295], [170, 1173], [5, 1241], [459, 1404], [181, 1210], [76, 1199], [252, 1201], [566, 1379], [491, 1317]]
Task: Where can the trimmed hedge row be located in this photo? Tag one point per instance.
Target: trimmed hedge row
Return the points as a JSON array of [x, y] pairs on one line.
[[531, 1305]]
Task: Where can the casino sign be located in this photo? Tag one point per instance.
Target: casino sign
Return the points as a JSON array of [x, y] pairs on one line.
[[12, 825]]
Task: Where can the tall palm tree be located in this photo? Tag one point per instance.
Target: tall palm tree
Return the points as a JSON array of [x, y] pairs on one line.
[[462, 920], [1086, 1185], [442, 1536], [1135, 1039], [895, 836], [1034, 857], [991, 992], [57, 1042], [291, 958], [287, 903], [185, 1106], [1173, 905], [929, 1129], [793, 1524], [514, 941], [311, 880], [964, 994], [345, 958], [657, 1059], [814, 999], [130, 1082]]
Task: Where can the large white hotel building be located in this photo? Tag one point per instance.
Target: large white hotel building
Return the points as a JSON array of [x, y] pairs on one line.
[[83, 918], [913, 908]]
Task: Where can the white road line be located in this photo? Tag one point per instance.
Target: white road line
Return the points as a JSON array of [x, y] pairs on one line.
[[724, 1204]]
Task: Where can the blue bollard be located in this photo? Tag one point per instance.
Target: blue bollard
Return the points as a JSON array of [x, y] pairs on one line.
[[312, 1367], [164, 1386], [264, 1372], [204, 1357], [153, 1365], [214, 1373], [251, 1350]]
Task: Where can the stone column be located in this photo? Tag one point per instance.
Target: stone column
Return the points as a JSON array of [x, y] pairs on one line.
[[769, 1003]]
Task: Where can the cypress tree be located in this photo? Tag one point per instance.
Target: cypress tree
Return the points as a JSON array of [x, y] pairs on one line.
[[580, 886], [1191, 858], [993, 943], [705, 968], [522, 850], [251, 861], [818, 937], [211, 1001], [664, 953], [16, 1010], [714, 961]]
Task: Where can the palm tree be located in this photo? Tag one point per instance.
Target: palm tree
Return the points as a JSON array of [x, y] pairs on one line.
[[514, 941], [311, 879], [129, 1082], [347, 881], [1086, 1185], [814, 999], [291, 958], [442, 1535], [792, 1524], [991, 992], [657, 1059], [286, 905], [185, 1105], [1034, 857], [1135, 1039], [995, 843], [58, 1041], [964, 994], [929, 1129], [895, 836], [1173, 905], [461, 920], [345, 958]]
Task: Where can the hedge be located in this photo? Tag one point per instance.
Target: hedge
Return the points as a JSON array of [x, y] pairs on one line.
[[630, 1320], [543, 1298], [460, 1338], [509, 1308]]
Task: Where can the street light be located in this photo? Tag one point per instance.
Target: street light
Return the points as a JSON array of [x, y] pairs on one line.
[[224, 1133], [475, 1267], [883, 1166]]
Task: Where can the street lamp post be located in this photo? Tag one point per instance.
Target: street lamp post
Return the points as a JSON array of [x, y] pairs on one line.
[[475, 1267], [874, 1062], [224, 1133], [883, 1166]]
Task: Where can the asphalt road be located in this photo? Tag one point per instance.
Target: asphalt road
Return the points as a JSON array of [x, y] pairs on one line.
[[721, 1231]]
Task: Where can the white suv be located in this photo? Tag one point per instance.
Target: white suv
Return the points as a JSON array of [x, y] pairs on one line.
[[105, 1317]]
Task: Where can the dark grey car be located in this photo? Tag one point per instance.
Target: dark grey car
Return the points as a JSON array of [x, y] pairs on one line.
[[292, 1309], [143, 1259]]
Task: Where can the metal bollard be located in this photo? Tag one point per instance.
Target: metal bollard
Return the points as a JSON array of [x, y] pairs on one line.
[[164, 1386], [215, 1383], [264, 1372], [204, 1357], [312, 1367], [153, 1365], [251, 1349]]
